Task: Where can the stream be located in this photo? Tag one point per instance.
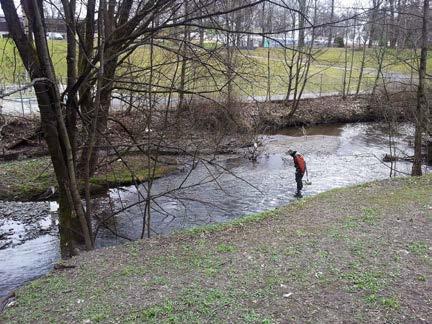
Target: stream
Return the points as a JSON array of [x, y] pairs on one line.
[[202, 193]]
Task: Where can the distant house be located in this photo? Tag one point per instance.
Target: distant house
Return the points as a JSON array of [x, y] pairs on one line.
[[54, 26]]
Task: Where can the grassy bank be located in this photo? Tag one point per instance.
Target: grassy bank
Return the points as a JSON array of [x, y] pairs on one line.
[[362, 253], [28, 179], [326, 73]]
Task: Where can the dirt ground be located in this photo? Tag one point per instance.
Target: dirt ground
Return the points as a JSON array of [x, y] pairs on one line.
[[360, 254]]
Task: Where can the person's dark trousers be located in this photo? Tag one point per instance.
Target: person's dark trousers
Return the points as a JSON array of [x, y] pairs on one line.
[[299, 180]]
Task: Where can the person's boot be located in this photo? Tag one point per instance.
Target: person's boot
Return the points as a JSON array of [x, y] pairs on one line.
[[298, 194]]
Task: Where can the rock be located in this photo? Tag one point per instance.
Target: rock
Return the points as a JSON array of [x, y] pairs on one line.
[[11, 304]]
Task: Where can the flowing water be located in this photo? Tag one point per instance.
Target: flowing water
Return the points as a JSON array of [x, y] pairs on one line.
[[202, 193]]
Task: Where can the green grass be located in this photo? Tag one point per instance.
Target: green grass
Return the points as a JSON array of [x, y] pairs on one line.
[[25, 179], [12, 70], [418, 248], [264, 268], [359, 279], [326, 72], [225, 248], [370, 216], [393, 59]]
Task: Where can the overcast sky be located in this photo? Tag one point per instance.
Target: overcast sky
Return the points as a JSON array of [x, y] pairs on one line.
[[340, 4]]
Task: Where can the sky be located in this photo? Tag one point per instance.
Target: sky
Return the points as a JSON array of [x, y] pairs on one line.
[[340, 4]]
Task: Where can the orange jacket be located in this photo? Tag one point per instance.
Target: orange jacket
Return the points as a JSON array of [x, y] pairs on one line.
[[299, 163]]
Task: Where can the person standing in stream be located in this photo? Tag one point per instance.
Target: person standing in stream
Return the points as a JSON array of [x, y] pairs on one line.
[[300, 165]]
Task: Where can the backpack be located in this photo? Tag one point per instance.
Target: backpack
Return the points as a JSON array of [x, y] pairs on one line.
[[300, 163]]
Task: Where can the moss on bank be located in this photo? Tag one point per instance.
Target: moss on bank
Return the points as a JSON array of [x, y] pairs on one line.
[[28, 179], [363, 253]]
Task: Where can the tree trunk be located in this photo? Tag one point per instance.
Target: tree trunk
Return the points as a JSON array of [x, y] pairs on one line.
[[330, 36], [372, 24], [362, 66], [183, 57], [421, 96], [67, 226], [263, 24], [71, 59], [345, 71], [393, 27], [38, 63], [301, 25]]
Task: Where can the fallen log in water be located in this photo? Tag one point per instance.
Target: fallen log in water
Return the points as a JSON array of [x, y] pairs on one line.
[[393, 158]]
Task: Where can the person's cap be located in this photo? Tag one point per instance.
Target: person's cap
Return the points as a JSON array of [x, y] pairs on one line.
[[290, 152]]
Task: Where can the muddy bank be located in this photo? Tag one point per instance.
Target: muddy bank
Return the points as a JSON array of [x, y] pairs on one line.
[[328, 110], [34, 179], [207, 127], [20, 138]]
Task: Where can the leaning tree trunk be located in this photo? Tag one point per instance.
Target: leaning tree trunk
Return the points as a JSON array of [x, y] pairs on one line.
[[38, 63]]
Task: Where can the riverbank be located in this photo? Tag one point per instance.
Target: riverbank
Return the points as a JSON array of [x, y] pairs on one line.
[[363, 253], [27, 172], [33, 179], [336, 109], [203, 124]]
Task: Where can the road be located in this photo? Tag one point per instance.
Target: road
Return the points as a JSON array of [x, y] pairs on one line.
[[28, 106]]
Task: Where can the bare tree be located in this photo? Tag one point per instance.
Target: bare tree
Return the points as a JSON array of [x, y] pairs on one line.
[[373, 22], [421, 95], [362, 66], [121, 28], [302, 12], [330, 36]]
